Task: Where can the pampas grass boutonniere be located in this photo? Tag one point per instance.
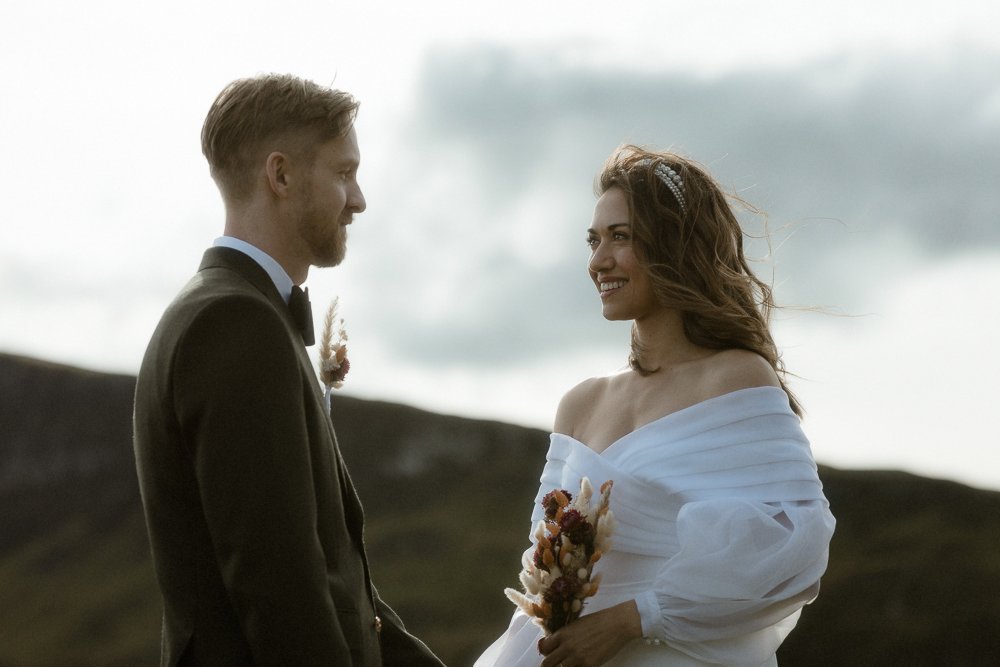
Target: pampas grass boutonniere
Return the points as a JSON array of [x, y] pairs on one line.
[[333, 363]]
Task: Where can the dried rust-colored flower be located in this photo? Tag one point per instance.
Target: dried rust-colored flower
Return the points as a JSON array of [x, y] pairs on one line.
[[539, 559], [576, 527], [562, 589], [555, 501]]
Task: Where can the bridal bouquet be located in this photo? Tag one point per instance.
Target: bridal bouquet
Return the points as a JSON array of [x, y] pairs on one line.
[[572, 537], [333, 363]]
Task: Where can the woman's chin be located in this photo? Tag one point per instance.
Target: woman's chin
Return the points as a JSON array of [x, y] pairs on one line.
[[614, 315]]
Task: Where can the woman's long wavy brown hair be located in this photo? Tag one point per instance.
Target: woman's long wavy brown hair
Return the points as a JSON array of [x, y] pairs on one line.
[[695, 257]]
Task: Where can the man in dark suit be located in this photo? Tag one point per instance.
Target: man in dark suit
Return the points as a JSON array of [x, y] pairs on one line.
[[255, 527]]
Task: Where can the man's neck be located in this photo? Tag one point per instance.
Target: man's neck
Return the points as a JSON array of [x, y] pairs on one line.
[[263, 232], [282, 281]]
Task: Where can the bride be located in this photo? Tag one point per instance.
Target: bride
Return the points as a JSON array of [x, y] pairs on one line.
[[722, 526]]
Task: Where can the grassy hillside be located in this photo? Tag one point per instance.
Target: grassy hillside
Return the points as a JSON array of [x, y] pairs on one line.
[[914, 576]]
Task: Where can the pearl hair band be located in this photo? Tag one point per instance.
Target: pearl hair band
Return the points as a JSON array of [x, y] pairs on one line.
[[673, 181]]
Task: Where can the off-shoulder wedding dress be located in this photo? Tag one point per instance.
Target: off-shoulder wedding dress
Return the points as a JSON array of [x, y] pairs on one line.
[[722, 533]]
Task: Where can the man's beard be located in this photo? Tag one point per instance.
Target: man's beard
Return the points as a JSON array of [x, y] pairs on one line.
[[327, 246], [329, 251]]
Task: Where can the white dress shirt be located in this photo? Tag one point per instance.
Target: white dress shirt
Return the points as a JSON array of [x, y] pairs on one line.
[[278, 275]]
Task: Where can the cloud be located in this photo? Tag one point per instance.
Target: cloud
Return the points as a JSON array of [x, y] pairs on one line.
[[866, 166], [853, 137], [909, 385]]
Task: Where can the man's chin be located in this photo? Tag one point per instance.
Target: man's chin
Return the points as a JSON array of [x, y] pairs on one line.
[[329, 260]]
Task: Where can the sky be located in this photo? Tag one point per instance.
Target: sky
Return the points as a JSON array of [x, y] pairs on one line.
[[869, 132]]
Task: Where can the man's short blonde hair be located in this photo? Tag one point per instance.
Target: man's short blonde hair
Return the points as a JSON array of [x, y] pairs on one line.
[[253, 116]]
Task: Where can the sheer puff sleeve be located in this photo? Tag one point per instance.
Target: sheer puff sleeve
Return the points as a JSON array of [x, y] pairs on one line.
[[742, 569], [751, 531]]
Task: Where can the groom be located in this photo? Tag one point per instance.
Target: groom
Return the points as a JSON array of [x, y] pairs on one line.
[[255, 527]]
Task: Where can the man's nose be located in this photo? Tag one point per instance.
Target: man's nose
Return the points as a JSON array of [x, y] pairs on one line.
[[357, 201]]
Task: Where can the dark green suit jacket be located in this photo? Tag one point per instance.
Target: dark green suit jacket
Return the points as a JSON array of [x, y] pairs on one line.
[[255, 527]]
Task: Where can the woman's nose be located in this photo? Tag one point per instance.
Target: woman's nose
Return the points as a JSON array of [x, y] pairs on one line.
[[600, 260]]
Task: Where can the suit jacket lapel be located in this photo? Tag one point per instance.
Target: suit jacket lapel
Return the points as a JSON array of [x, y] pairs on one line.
[[246, 267], [253, 273]]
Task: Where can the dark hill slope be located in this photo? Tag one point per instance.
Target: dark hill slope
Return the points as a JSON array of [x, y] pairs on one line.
[[914, 576]]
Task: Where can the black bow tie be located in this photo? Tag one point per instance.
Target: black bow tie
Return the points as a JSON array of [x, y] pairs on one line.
[[298, 303]]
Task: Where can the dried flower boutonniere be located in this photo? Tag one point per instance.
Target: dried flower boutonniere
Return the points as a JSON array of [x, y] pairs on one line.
[[333, 363], [572, 537]]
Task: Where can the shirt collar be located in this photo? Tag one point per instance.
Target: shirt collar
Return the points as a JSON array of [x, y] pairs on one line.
[[278, 275]]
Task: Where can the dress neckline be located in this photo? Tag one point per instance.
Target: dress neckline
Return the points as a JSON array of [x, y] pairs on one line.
[[668, 417]]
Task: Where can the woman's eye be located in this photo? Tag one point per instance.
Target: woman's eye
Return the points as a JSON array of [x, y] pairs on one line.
[[591, 241]]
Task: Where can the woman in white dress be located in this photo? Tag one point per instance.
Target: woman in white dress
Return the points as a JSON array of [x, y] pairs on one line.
[[722, 527]]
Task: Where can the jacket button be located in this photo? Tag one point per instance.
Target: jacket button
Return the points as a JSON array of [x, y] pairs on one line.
[[378, 624]]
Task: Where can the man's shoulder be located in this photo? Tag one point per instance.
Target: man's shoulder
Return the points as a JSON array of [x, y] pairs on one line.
[[217, 303], [217, 285]]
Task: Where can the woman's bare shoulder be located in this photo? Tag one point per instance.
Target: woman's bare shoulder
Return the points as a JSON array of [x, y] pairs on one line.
[[732, 370], [579, 401]]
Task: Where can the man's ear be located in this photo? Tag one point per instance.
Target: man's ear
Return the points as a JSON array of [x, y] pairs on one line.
[[277, 167]]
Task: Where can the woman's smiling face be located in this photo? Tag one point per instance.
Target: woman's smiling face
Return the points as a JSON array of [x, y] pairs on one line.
[[620, 277]]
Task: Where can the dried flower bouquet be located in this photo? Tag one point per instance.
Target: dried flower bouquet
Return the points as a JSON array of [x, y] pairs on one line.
[[570, 540]]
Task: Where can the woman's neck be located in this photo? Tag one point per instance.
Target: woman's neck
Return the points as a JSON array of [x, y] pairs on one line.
[[662, 342]]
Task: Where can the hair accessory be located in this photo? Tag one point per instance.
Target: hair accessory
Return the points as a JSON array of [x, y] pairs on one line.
[[672, 180]]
